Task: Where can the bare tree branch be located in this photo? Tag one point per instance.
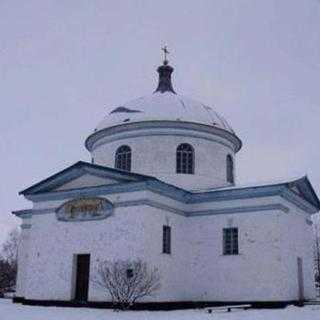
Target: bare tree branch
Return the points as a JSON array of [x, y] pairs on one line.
[[9, 250], [126, 281], [8, 262]]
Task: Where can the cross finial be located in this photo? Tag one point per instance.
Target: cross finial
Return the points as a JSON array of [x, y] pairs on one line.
[[165, 52]]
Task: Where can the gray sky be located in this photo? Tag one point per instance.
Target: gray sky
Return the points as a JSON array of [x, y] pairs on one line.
[[64, 63]]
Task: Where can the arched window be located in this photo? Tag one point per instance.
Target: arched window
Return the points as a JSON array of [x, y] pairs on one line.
[[230, 175], [185, 159], [123, 158]]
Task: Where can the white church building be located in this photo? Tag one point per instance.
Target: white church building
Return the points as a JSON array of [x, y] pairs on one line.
[[161, 187]]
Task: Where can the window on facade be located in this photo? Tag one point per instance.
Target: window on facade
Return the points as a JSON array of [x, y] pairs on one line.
[[123, 158], [185, 159], [230, 175], [129, 273], [230, 241], [166, 240]]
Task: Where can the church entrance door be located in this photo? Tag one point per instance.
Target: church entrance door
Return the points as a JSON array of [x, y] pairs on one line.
[[82, 277], [300, 279]]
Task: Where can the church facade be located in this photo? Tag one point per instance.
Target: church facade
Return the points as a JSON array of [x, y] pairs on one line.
[[161, 187]]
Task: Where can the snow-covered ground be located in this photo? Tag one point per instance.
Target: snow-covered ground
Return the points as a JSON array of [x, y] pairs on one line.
[[10, 311]]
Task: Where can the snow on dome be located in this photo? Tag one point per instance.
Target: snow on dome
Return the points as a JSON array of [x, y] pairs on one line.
[[164, 106]]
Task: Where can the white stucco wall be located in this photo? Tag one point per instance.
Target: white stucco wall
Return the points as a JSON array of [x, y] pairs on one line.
[[23, 254], [156, 156], [265, 269], [129, 233], [297, 241], [254, 274]]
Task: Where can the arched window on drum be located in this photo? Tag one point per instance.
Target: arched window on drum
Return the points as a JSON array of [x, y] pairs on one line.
[[123, 158], [230, 169], [185, 159]]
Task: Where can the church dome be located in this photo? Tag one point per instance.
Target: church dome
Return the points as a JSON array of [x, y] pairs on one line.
[[164, 106], [168, 136]]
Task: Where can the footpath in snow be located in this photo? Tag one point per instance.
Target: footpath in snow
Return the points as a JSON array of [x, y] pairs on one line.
[[11, 311]]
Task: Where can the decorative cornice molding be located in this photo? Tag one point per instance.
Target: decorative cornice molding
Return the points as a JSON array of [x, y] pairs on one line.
[[298, 201], [25, 213], [151, 203], [163, 132], [235, 194], [199, 213], [180, 195], [244, 209], [87, 192], [164, 124], [281, 190], [77, 170], [25, 226]]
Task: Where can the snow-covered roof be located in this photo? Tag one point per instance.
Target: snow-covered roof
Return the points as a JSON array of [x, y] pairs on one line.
[[299, 191], [80, 168], [253, 184], [301, 185], [164, 106]]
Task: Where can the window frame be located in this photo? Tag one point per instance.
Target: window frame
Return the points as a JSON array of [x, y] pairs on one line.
[[166, 239], [230, 168], [123, 158], [185, 159], [129, 273], [230, 241]]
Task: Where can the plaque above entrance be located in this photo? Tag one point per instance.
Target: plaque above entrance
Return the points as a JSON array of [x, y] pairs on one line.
[[83, 209]]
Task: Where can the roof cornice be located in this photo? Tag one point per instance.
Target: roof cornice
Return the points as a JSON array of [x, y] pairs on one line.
[[164, 124], [78, 169], [181, 195], [305, 197]]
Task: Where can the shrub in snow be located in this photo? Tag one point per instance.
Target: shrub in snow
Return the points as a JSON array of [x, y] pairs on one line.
[[126, 281]]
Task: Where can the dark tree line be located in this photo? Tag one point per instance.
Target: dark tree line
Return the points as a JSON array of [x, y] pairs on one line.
[[8, 263]]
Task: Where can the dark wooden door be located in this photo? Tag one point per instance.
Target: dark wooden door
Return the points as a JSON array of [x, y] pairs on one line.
[[300, 279], [82, 277]]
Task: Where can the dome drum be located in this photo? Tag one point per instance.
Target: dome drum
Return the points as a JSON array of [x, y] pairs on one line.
[[154, 126], [156, 152]]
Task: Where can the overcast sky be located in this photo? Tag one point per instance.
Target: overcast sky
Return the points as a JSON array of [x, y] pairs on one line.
[[63, 64]]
